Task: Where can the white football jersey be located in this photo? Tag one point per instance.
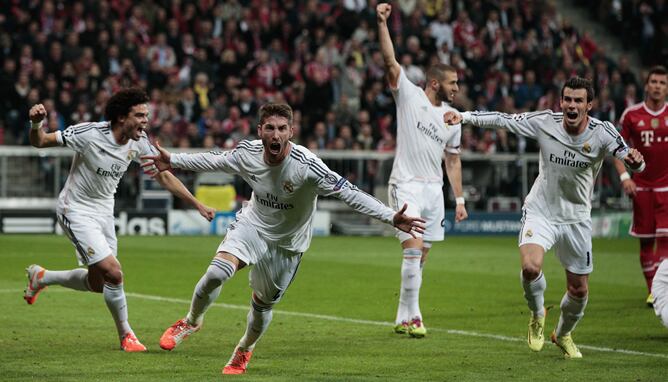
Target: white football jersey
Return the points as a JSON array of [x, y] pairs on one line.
[[568, 164], [97, 167], [421, 135], [284, 196]]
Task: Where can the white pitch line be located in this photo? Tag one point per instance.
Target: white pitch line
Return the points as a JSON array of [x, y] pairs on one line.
[[386, 323], [367, 322]]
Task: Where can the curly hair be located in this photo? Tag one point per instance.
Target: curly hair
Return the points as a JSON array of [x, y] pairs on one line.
[[120, 103]]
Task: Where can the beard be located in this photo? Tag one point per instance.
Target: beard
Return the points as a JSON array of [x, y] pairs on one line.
[[443, 95]]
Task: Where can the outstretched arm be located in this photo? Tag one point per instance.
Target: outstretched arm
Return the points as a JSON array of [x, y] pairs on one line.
[[176, 187], [526, 124], [453, 168], [38, 137], [200, 162], [386, 48], [329, 183]]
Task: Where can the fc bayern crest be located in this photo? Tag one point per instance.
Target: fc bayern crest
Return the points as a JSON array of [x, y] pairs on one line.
[[288, 187]]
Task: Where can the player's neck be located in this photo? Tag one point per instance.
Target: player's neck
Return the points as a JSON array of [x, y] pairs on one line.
[[119, 137], [579, 129], [431, 95], [654, 105]]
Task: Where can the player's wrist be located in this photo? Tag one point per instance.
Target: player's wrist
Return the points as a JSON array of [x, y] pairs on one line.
[[460, 200], [624, 176], [36, 125]]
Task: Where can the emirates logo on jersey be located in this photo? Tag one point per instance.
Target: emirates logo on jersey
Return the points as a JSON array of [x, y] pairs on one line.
[[288, 187], [586, 148]]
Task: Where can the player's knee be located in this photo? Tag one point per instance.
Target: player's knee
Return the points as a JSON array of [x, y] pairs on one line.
[[114, 276], [259, 305], [530, 271], [579, 291]]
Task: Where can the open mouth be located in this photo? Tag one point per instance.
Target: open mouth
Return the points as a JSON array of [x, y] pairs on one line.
[[571, 114], [274, 147]]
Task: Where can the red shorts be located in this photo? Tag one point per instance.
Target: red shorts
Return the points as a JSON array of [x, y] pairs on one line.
[[650, 213]]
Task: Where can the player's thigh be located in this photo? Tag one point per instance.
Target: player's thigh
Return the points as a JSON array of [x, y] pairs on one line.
[[574, 249], [433, 212], [411, 195], [536, 229], [87, 235], [243, 242], [661, 211], [109, 231], [272, 275], [644, 224]]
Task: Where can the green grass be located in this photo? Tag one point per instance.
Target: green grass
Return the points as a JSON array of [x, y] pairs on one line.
[[470, 285]]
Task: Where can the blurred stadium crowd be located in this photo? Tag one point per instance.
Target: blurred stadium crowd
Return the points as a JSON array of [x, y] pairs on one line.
[[207, 65]]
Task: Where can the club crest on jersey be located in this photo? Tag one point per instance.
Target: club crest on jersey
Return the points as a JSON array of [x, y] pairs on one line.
[[288, 186], [132, 154], [528, 233], [586, 148], [654, 123]]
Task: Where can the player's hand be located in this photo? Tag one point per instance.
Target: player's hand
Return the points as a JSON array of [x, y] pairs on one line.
[[408, 224], [629, 187], [157, 163], [452, 118], [383, 12], [460, 213], [37, 113], [634, 159], [207, 212]]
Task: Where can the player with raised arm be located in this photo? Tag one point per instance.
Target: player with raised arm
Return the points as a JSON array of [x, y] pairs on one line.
[[417, 176], [645, 127], [273, 229], [85, 207], [557, 211]]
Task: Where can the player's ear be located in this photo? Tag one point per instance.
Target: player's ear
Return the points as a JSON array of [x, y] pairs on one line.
[[589, 106]]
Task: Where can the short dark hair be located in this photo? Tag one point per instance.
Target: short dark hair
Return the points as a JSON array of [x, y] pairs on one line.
[[275, 109], [120, 103], [437, 71], [579, 83], [658, 69]]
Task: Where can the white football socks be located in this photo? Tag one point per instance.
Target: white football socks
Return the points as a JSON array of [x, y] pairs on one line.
[[208, 288], [534, 292], [572, 311], [411, 280], [258, 318], [76, 279], [114, 296]]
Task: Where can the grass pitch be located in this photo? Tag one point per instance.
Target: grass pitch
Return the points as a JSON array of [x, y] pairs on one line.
[[334, 323]]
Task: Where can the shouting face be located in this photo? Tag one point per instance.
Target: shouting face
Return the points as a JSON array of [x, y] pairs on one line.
[[575, 107], [275, 133], [135, 123]]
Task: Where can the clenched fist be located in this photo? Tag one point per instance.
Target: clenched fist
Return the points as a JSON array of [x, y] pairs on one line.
[[37, 113]]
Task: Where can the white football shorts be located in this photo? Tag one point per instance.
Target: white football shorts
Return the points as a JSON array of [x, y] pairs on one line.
[[572, 242], [424, 200], [660, 292], [273, 268], [93, 236]]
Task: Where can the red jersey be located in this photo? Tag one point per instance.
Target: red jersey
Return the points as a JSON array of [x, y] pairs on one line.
[[647, 131]]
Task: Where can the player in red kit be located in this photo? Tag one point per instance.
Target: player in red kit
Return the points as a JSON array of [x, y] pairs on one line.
[[645, 127]]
